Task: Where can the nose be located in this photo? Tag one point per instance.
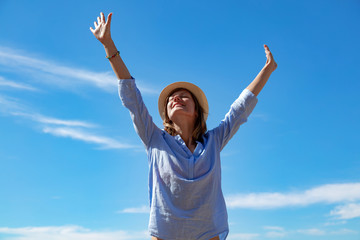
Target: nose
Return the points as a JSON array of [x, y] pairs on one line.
[[176, 98]]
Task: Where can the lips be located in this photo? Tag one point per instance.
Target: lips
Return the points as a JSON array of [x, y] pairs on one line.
[[177, 104]]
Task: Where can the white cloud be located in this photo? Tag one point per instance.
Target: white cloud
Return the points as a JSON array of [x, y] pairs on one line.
[[330, 193], [69, 233], [312, 231], [49, 72], [335, 223], [11, 84], [343, 231], [243, 236], [11, 58], [142, 209], [261, 116], [8, 104], [56, 121], [279, 232], [275, 232], [104, 142], [60, 75], [320, 232], [347, 211], [274, 228], [13, 107]]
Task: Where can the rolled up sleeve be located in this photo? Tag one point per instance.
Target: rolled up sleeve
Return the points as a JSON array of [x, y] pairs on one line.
[[237, 115], [131, 98]]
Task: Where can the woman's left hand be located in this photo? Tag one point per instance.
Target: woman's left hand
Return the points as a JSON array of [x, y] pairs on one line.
[[270, 62]]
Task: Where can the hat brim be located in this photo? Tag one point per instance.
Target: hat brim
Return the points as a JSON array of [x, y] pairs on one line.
[[195, 90]]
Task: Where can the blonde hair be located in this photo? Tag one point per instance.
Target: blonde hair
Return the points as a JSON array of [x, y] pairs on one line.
[[200, 123]]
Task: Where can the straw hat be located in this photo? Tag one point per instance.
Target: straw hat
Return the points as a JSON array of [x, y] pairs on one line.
[[195, 90]]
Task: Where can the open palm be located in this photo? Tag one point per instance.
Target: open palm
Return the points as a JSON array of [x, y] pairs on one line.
[[102, 28], [269, 58]]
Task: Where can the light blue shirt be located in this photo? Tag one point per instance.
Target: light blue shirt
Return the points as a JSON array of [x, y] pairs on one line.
[[186, 200]]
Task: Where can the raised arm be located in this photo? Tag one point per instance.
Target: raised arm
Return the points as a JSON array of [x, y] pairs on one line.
[[102, 33], [259, 82]]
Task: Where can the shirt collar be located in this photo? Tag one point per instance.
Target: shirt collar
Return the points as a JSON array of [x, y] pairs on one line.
[[198, 149]]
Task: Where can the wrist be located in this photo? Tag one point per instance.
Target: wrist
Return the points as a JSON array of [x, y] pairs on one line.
[[110, 49], [270, 67], [108, 44]]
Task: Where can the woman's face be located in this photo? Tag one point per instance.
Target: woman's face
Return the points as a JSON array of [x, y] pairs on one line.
[[181, 103]]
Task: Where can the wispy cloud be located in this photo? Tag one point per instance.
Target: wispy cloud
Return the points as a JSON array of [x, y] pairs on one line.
[[63, 76], [243, 236], [279, 232], [142, 209], [312, 231], [22, 62], [12, 84], [275, 232], [335, 223], [323, 232], [330, 193], [343, 231], [261, 116], [274, 228], [347, 211], [9, 104], [56, 121], [104, 142], [69, 233], [75, 129]]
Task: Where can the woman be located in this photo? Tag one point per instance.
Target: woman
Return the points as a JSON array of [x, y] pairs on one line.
[[186, 200]]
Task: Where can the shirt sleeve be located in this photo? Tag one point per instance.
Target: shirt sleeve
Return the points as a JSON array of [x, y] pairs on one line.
[[237, 115], [132, 100]]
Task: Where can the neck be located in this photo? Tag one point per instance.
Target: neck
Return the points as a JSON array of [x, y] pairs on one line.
[[185, 130]]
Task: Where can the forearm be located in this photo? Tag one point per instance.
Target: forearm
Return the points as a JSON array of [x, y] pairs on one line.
[[116, 62], [259, 82]]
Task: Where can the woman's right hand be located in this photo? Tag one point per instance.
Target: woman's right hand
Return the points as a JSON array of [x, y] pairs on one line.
[[102, 29]]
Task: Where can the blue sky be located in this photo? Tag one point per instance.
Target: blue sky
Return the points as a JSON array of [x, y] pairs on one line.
[[72, 166]]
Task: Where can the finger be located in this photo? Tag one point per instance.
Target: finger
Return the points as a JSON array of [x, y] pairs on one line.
[[269, 56], [109, 19], [98, 19], [102, 17], [95, 24], [268, 52], [92, 30], [266, 48]]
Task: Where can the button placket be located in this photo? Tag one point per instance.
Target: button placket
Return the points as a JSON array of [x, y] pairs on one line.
[[191, 167]]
